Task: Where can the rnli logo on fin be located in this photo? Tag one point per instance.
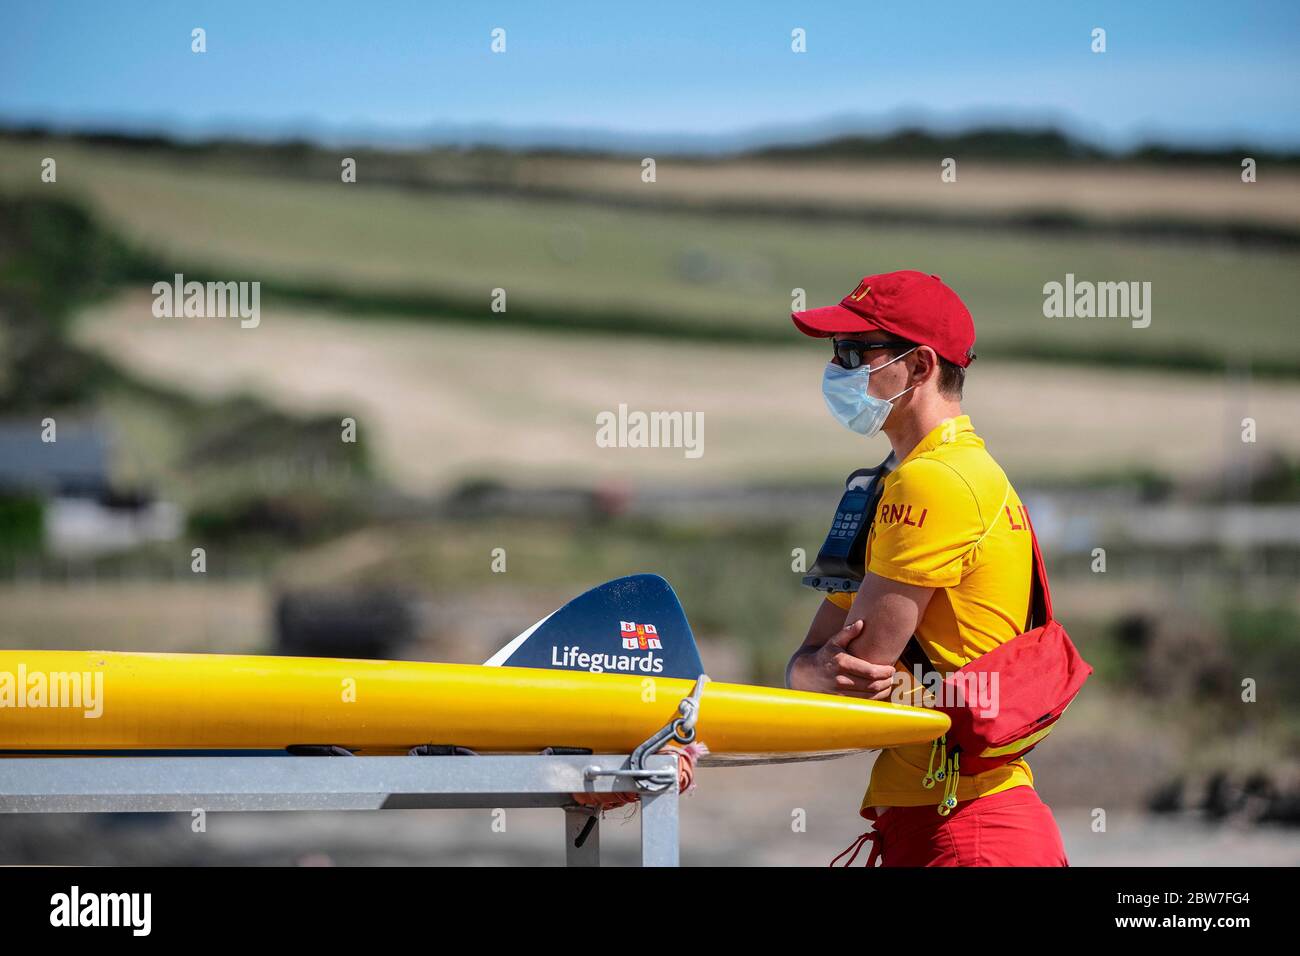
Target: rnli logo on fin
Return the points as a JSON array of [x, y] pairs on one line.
[[639, 637]]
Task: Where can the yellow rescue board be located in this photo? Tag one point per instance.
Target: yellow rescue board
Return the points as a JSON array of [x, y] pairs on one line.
[[107, 701]]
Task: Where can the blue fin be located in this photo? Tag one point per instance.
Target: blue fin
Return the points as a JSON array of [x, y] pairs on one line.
[[632, 625]]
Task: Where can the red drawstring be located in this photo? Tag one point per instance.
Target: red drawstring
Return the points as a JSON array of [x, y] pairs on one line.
[[872, 837]]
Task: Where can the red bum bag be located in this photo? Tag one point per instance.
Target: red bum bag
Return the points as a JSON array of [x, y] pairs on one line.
[[1003, 703]]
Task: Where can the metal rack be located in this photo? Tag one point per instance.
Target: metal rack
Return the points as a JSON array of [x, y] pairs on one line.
[[183, 784]]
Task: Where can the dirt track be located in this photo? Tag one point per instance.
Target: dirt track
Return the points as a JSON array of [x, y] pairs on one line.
[[440, 408]]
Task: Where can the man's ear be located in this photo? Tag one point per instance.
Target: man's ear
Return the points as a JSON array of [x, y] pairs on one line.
[[927, 365]]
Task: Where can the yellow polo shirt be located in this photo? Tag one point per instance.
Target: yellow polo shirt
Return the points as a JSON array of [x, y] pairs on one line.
[[950, 520]]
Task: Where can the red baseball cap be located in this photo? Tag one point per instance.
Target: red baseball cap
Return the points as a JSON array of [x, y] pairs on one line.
[[912, 305]]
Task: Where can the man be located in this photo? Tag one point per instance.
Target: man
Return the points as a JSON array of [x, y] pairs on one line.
[[948, 559]]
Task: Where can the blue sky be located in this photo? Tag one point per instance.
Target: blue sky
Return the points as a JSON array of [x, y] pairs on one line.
[[1199, 73]]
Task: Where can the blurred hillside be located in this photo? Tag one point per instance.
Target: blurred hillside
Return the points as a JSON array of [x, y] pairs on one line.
[[712, 250]]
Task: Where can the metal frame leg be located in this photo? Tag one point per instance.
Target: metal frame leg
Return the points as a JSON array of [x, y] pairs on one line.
[[659, 828], [575, 821]]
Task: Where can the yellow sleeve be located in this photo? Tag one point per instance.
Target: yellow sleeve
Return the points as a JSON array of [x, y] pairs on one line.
[[927, 522], [841, 599]]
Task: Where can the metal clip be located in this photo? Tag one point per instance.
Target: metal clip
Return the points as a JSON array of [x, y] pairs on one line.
[[680, 729]]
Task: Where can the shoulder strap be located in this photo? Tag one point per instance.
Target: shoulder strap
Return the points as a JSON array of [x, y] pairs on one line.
[[1040, 606], [1040, 595]]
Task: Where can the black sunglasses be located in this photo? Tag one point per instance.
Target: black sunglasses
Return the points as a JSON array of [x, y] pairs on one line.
[[850, 353]]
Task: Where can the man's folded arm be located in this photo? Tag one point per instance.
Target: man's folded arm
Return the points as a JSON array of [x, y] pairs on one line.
[[890, 612]]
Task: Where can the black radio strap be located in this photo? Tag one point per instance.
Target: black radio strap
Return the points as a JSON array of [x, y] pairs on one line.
[[914, 656]]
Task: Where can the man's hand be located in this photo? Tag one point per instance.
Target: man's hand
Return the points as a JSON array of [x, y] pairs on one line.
[[831, 669]]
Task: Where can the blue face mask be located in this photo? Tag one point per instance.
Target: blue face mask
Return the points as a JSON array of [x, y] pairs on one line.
[[845, 391]]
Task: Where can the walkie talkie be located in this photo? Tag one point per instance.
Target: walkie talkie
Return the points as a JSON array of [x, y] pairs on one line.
[[840, 563]]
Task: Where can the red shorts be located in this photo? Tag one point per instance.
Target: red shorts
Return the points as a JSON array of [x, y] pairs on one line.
[[1010, 828]]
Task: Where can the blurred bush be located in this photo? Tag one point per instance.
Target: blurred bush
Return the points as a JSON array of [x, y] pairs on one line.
[[294, 518], [21, 524], [53, 256]]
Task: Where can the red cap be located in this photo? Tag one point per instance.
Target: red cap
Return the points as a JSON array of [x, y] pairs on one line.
[[912, 305]]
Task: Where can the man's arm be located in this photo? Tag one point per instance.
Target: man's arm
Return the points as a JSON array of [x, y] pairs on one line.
[[890, 612], [822, 664], [828, 619]]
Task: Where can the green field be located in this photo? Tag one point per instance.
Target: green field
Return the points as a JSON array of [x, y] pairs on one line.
[[673, 273]]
